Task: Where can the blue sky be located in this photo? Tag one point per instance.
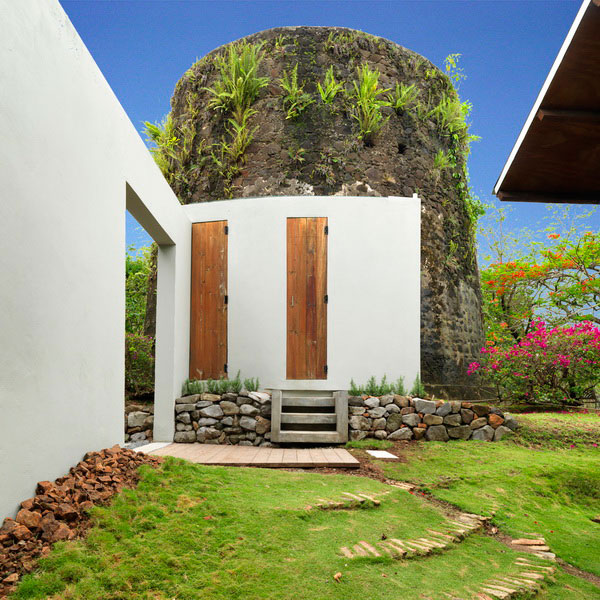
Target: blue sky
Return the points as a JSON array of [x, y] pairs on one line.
[[143, 48]]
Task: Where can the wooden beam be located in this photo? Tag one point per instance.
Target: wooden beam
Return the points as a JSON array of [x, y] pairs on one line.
[[569, 115], [549, 198]]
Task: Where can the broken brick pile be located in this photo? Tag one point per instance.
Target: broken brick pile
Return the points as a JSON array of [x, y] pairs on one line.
[[58, 511]]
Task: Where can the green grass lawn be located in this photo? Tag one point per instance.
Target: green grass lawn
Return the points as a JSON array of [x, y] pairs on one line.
[[529, 484], [190, 531]]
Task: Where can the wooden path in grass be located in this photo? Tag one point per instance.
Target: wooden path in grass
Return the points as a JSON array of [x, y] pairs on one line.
[[251, 456]]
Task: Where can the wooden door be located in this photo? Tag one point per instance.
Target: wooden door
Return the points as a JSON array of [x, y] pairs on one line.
[[208, 319], [307, 298]]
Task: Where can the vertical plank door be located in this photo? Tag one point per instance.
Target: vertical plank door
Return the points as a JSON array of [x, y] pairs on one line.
[[306, 298], [208, 318]]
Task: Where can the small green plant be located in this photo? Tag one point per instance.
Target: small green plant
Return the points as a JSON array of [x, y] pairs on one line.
[[403, 96], [296, 100], [297, 155], [239, 83], [372, 388], [330, 88], [368, 104], [418, 389], [398, 387], [451, 116], [442, 161], [454, 72], [193, 386], [252, 384], [355, 390], [235, 384]]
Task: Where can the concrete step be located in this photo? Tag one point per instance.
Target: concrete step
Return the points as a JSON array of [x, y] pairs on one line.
[[309, 418], [308, 401]]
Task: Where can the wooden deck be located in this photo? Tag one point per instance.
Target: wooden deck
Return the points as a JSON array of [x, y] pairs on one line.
[[250, 456]]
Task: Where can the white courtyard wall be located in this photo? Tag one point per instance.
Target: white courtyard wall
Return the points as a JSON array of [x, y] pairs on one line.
[[70, 162], [373, 271]]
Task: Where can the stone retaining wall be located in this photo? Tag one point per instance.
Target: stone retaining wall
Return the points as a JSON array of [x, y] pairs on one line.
[[243, 419], [395, 417]]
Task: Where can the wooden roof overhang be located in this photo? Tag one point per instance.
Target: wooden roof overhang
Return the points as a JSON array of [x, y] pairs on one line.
[[557, 155]]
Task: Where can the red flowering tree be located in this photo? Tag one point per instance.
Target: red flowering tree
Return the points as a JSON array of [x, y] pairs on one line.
[[547, 366]]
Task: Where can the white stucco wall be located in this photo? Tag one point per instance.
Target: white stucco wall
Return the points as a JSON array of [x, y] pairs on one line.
[[68, 152], [373, 325]]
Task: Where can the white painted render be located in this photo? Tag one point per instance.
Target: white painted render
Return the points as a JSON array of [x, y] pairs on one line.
[[70, 163], [373, 272]]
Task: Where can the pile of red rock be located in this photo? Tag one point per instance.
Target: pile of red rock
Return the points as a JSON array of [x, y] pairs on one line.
[[59, 509]]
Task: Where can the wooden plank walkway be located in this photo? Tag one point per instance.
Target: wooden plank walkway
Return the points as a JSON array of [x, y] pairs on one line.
[[244, 456]]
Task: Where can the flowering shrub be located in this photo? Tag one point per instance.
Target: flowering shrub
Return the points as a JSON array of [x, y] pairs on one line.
[[558, 365], [139, 364]]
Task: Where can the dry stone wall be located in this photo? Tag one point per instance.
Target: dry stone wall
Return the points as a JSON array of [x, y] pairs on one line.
[[396, 417], [245, 419]]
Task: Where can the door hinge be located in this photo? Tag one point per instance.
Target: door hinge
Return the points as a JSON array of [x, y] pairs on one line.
[[226, 229], [325, 368], [326, 229], [226, 299], [326, 298], [225, 368]]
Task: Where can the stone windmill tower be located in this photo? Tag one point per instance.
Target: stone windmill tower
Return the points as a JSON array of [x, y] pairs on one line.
[[297, 121]]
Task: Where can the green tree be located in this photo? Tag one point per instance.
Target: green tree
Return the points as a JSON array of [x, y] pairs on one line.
[[137, 270]]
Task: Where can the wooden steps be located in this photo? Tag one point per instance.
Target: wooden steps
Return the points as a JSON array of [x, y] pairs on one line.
[[309, 417]]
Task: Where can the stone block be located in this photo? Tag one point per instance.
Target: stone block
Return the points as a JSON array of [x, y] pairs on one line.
[[262, 425], [372, 402], [393, 422], [355, 401], [380, 434], [229, 408], [385, 400], [188, 399], [481, 410], [392, 409], [407, 410], [138, 417], [495, 420], [184, 437], [433, 420], [356, 435], [453, 420], [443, 409], [510, 422], [210, 397], [213, 411], [419, 433], [379, 424], [501, 431], [206, 421], [467, 415], [401, 401], [378, 412], [477, 423], [178, 408], [248, 423], [436, 433], [462, 432], [184, 418], [424, 406], [405, 433], [248, 410], [412, 420], [485, 434], [361, 423]]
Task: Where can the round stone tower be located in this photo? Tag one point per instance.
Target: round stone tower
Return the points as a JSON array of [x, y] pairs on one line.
[[299, 140]]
